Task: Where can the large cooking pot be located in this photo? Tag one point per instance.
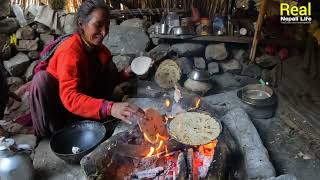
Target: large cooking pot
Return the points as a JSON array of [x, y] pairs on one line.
[[83, 136]]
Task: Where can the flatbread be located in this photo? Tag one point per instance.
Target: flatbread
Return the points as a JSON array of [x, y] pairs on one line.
[[168, 74], [193, 128], [153, 125]]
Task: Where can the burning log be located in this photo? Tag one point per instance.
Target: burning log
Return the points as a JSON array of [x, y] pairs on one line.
[[149, 173], [192, 169], [182, 167]]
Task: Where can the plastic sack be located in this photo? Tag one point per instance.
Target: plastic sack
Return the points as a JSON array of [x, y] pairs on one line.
[[19, 14]]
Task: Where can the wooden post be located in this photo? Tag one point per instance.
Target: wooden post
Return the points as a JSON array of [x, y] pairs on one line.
[[262, 13]]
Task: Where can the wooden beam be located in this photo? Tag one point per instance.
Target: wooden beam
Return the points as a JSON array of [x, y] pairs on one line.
[[257, 33]]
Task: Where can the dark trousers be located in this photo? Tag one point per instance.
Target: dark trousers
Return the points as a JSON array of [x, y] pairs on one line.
[[48, 113]]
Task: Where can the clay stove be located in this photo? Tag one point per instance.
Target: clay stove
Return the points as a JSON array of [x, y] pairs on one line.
[[131, 155]]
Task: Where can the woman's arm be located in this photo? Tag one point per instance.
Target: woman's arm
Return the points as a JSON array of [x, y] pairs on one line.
[[71, 90]]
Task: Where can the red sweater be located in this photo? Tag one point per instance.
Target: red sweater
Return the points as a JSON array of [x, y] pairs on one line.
[[69, 65]]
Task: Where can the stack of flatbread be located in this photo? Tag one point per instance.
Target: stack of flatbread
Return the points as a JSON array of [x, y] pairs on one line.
[[193, 128], [168, 74]]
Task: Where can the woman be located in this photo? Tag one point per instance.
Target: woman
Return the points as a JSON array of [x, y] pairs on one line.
[[80, 77]]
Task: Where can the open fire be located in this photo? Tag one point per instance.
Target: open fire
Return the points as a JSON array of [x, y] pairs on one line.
[[163, 162]]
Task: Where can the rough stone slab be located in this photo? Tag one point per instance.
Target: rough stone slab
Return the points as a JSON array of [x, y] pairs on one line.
[[14, 83], [29, 72], [267, 61], [188, 49], [185, 64], [200, 63], [48, 166], [149, 89], [34, 55], [239, 54], [28, 45], [230, 100], [216, 52], [266, 75], [252, 70], [232, 66], [283, 177], [4, 41], [160, 52], [46, 39], [25, 33], [8, 25], [69, 24], [213, 68], [26, 139], [256, 158], [4, 8], [17, 65], [121, 62], [226, 81], [155, 41], [41, 29], [134, 22], [129, 40]]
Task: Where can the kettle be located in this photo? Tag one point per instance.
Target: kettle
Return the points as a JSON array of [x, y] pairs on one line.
[[15, 160]]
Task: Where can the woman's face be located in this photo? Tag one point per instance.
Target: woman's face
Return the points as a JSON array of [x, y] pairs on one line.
[[97, 27]]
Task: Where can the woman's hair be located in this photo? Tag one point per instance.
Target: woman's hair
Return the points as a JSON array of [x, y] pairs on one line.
[[87, 7]]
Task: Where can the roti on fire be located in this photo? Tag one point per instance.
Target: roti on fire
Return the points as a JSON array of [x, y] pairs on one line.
[[153, 125], [194, 128]]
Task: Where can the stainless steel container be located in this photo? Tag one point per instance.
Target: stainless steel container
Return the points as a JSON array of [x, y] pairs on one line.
[[15, 161], [163, 29]]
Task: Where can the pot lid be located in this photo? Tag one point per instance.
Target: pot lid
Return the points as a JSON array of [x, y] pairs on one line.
[[6, 143]]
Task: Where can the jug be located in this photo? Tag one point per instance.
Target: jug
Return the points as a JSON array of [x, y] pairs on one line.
[[15, 160]]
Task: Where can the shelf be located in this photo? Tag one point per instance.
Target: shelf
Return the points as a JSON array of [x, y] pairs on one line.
[[230, 39]]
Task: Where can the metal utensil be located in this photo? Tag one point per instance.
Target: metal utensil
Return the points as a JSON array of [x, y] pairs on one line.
[[181, 30], [85, 135], [199, 75], [257, 95]]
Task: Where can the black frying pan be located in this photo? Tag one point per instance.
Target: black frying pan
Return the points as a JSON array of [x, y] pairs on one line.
[[84, 134]]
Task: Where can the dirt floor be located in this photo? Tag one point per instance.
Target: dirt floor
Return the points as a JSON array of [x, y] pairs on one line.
[[289, 154]]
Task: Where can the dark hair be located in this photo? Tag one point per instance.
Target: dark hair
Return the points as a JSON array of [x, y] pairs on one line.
[[87, 7]]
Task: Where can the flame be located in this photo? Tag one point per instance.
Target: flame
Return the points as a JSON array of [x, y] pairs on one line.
[[167, 103], [150, 152], [146, 137], [159, 139], [159, 146], [208, 149], [197, 102]]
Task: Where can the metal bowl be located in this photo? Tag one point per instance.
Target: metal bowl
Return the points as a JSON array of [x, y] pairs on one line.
[[199, 75], [84, 134], [181, 30], [257, 95]]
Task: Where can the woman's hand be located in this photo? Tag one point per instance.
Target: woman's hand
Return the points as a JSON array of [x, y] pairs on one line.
[[127, 112]]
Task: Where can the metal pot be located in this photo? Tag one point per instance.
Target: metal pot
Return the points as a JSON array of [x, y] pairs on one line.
[[15, 161], [257, 95], [179, 30], [260, 100], [199, 75]]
